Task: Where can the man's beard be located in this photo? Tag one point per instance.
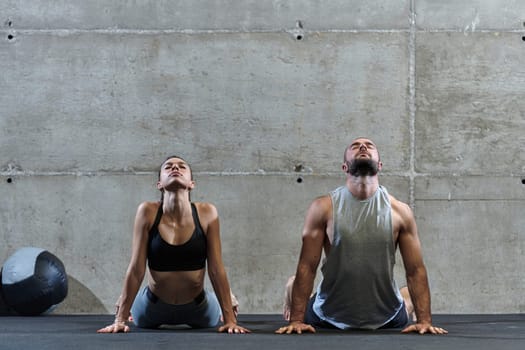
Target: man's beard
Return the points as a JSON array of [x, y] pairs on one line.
[[363, 167]]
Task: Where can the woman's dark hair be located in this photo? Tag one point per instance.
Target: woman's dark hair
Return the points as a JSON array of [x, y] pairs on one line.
[[164, 161]]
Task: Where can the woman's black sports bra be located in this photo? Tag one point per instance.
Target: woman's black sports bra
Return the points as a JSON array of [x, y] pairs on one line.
[[189, 256]]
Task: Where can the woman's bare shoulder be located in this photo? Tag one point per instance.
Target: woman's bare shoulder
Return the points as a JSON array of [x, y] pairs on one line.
[[206, 210], [147, 210]]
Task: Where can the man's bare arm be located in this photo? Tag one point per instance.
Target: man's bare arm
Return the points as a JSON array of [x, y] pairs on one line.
[[313, 237], [416, 273]]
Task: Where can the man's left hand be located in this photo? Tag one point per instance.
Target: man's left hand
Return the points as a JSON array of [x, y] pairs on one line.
[[423, 328]]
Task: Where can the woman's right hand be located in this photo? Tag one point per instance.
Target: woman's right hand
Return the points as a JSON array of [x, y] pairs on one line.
[[116, 327]]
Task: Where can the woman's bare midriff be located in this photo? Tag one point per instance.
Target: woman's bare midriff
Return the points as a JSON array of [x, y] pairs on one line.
[[176, 287]]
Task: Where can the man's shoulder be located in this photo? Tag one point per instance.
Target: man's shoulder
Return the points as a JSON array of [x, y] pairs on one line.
[[400, 207], [322, 199], [322, 203]]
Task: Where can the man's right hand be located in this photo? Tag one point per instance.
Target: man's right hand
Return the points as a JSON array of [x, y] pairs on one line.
[[296, 327]]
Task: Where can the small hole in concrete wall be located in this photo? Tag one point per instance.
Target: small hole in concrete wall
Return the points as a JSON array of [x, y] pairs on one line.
[[523, 181], [10, 37], [299, 180], [299, 37], [9, 180]]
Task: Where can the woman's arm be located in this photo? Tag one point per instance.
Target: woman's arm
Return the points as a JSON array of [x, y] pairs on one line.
[[136, 268], [216, 271]]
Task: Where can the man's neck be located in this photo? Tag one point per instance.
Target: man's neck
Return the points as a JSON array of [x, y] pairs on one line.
[[362, 187]]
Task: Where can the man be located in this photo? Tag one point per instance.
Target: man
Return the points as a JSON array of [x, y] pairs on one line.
[[360, 226]]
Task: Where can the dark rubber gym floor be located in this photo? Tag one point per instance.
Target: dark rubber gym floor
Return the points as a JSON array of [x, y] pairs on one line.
[[499, 332]]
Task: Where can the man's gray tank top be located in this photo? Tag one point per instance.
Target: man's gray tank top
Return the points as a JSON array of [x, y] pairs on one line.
[[358, 289]]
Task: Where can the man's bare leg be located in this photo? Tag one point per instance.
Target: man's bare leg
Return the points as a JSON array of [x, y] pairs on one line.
[[288, 298], [408, 303], [287, 305]]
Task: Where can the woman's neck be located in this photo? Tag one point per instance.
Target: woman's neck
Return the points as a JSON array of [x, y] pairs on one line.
[[176, 205]]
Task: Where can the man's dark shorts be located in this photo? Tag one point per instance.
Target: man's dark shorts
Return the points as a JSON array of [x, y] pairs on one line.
[[400, 320]]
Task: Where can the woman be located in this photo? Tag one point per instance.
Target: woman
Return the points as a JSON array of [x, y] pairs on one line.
[[176, 238]]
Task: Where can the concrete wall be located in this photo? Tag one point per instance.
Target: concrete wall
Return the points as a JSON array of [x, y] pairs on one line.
[[262, 97]]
